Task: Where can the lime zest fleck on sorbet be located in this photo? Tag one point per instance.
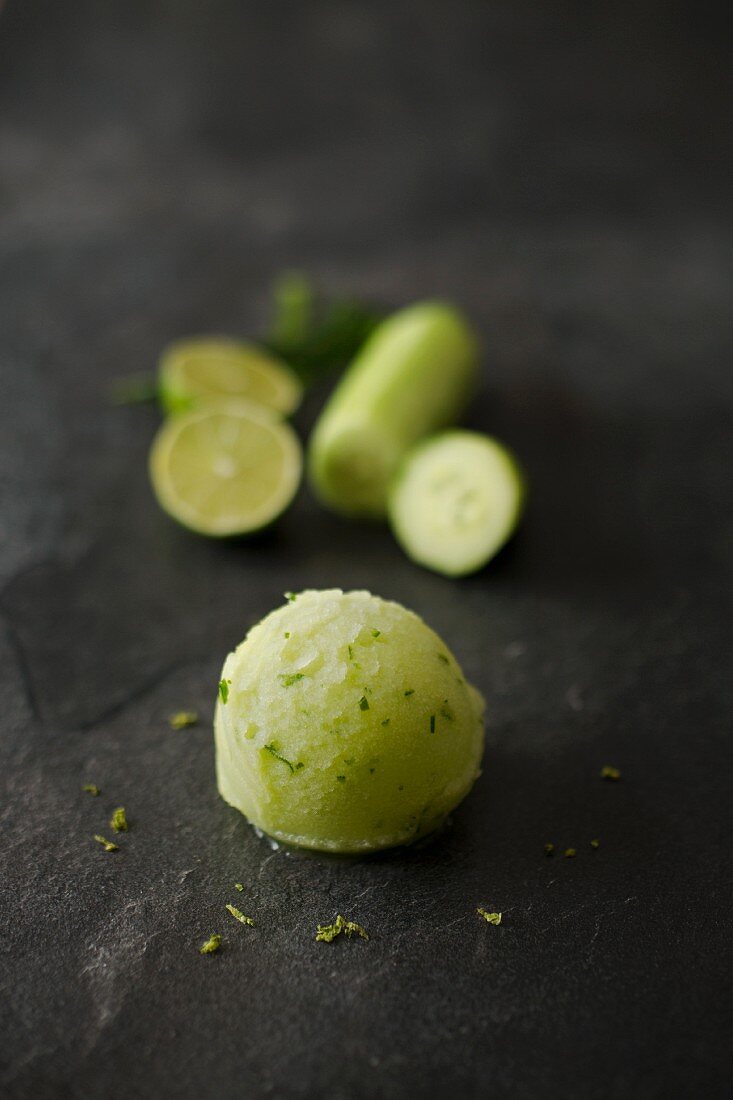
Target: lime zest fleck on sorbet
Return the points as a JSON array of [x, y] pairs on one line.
[[490, 918], [118, 821], [385, 722], [273, 752], [341, 778], [432, 723], [609, 772], [287, 679], [327, 933], [108, 845], [442, 657], [224, 690], [410, 691], [376, 633], [287, 634], [182, 719], [363, 703], [212, 944], [290, 596], [549, 849], [92, 789], [239, 915], [238, 886]]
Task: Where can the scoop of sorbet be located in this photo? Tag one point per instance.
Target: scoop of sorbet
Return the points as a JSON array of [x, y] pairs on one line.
[[345, 724]]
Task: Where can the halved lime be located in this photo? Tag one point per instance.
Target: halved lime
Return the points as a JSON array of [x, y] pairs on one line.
[[455, 502], [193, 372], [227, 469]]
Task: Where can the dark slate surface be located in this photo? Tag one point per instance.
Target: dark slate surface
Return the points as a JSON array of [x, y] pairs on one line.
[[559, 170]]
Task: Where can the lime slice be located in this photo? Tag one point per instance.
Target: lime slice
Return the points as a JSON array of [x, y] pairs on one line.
[[193, 372], [456, 501], [227, 469]]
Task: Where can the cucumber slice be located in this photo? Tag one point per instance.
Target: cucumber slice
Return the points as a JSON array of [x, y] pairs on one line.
[[455, 502], [412, 377]]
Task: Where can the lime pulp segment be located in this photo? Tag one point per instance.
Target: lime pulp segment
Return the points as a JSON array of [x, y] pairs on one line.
[[226, 470], [194, 372]]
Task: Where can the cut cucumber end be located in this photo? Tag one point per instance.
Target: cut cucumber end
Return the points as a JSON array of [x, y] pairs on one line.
[[350, 474], [456, 501]]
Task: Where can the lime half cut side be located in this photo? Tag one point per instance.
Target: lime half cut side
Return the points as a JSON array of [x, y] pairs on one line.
[[225, 470], [194, 372], [455, 502]]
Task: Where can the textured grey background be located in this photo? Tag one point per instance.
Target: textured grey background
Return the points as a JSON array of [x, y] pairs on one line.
[[559, 170]]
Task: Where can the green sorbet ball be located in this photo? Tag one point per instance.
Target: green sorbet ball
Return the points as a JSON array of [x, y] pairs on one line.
[[345, 724]]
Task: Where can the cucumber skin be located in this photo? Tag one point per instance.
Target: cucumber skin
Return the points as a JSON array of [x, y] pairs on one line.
[[522, 485], [413, 376]]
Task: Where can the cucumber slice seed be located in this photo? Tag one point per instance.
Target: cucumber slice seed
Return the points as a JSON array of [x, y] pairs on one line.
[[456, 501]]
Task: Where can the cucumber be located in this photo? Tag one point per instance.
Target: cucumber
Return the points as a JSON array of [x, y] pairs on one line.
[[413, 376], [455, 501]]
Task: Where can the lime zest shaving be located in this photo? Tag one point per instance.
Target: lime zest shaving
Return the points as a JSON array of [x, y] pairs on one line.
[[118, 821], [327, 933], [92, 789], [376, 633], [287, 679], [273, 752], [224, 690], [108, 845], [432, 723], [239, 915], [291, 597], [490, 918], [442, 657], [212, 944], [609, 772], [182, 719], [363, 703], [410, 691]]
